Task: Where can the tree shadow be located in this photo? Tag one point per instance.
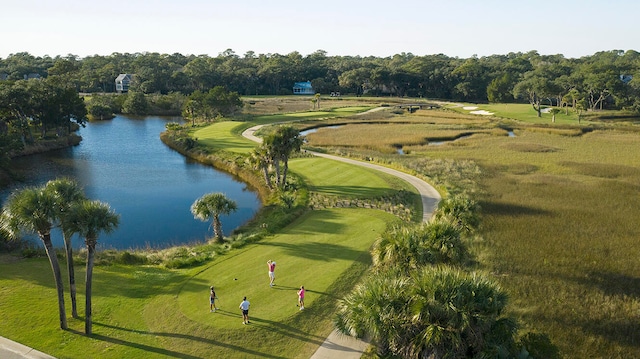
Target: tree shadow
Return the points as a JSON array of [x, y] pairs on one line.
[[320, 223], [508, 209], [167, 352], [286, 330], [612, 284], [354, 191], [318, 251]]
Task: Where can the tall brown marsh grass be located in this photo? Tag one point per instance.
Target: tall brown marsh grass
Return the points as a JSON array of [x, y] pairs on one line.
[[560, 223]]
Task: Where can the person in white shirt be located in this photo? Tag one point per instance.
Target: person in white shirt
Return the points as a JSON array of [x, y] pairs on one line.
[[244, 306]]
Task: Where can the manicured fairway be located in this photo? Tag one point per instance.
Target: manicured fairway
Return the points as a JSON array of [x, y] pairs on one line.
[[219, 137], [151, 312], [340, 179], [312, 252]]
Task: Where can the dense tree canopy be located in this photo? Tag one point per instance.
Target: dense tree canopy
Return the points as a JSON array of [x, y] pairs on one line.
[[606, 80]]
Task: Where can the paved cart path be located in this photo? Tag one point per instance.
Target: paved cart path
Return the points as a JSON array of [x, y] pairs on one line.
[[338, 345]]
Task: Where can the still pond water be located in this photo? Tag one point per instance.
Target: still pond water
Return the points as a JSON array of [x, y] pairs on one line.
[[123, 162]]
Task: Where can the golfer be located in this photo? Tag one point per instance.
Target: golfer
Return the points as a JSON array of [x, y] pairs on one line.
[[301, 297], [212, 300], [244, 306], [272, 272]]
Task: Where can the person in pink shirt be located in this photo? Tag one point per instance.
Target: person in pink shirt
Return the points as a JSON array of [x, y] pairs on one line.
[[301, 298], [272, 272]]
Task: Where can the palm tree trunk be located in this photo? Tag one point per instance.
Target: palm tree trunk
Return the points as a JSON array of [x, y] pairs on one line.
[[284, 171], [72, 275], [265, 173], [91, 249], [277, 166], [217, 228], [57, 276]]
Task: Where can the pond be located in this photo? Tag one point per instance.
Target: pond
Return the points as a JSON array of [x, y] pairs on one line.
[[124, 163]]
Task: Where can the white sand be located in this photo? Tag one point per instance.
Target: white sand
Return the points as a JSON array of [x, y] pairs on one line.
[[469, 108], [482, 112]]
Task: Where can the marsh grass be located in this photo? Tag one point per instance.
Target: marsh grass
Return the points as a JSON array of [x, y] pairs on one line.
[[559, 229], [388, 137]]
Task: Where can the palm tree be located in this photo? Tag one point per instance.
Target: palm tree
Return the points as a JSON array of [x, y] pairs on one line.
[[412, 247], [281, 144], [460, 210], [260, 159], [376, 309], [212, 205], [67, 192], [457, 314], [400, 246], [438, 312], [89, 219], [33, 210]]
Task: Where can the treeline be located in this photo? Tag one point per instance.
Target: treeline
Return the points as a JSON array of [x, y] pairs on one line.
[[605, 80]]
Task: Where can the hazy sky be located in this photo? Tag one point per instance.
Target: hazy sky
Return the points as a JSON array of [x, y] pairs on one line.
[[457, 28]]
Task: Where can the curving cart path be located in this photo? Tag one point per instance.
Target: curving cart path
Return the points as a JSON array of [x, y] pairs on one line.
[[338, 345]]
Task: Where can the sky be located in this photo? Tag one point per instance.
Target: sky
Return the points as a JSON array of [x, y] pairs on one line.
[[456, 28]]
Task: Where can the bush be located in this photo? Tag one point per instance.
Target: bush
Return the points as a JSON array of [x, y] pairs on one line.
[[131, 258]]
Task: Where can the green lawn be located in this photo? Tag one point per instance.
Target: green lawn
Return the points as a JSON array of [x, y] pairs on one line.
[[220, 136], [336, 178], [523, 112], [153, 312]]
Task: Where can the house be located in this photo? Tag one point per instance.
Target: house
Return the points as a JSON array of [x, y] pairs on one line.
[[122, 82], [303, 88]]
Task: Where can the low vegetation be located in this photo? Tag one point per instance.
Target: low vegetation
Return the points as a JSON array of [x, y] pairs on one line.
[[555, 234]]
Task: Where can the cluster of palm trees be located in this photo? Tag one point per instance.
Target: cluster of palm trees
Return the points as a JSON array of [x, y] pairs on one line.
[[62, 204], [421, 301], [274, 153]]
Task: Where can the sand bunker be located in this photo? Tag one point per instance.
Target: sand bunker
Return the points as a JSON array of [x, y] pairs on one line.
[[469, 108], [481, 112]]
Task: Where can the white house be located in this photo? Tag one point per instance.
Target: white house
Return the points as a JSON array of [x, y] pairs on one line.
[[303, 88], [122, 82]]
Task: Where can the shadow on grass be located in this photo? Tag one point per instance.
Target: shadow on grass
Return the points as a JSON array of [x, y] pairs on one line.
[[295, 289], [353, 191], [612, 284], [504, 209], [285, 330], [325, 252], [624, 331], [167, 352]]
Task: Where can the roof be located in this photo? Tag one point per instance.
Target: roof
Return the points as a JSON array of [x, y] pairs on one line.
[[122, 77], [303, 85]]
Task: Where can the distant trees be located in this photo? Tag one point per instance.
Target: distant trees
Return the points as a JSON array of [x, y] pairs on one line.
[[135, 103], [48, 106], [496, 78], [216, 102]]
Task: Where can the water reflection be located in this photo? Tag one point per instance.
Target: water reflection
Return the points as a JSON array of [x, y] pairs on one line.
[[124, 163]]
